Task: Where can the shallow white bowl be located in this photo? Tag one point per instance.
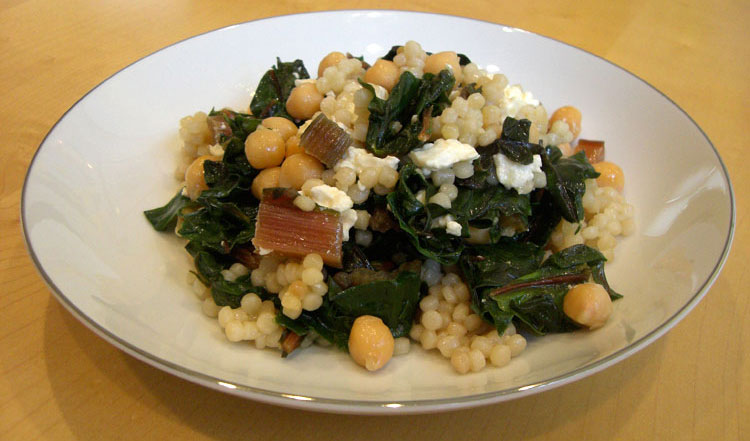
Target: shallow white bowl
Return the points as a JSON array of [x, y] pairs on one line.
[[112, 156]]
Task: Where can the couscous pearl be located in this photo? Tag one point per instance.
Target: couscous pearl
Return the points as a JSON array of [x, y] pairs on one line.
[[313, 261], [477, 360], [225, 315], [251, 330], [455, 328], [250, 303], [472, 322], [482, 344], [461, 362], [451, 279], [460, 312], [432, 320], [416, 331], [428, 339], [311, 302], [210, 308], [319, 288], [446, 344], [429, 303], [500, 355], [234, 330], [449, 294], [311, 276], [516, 343], [267, 322], [401, 346]]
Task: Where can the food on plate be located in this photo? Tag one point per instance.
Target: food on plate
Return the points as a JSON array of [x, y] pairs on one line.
[[418, 200]]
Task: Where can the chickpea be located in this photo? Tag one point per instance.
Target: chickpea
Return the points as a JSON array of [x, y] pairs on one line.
[[383, 73], [610, 175], [370, 342], [441, 60], [304, 101], [293, 147], [588, 304], [283, 126], [195, 183], [297, 169], [571, 116], [329, 60], [267, 178], [264, 148]]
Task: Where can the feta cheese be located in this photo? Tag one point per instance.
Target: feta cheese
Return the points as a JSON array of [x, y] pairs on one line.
[[360, 160], [453, 228], [442, 154], [347, 219], [331, 197], [263, 251], [515, 98], [449, 223], [523, 178]]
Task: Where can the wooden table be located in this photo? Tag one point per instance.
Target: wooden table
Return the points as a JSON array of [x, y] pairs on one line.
[[61, 381]]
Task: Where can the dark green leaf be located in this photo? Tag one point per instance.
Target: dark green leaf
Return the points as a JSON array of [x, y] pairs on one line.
[[274, 89], [396, 125], [165, 217], [415, 219], [565, 181], [393, 301]]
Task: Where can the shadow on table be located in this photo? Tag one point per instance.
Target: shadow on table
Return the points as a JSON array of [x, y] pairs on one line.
[[160, 403]]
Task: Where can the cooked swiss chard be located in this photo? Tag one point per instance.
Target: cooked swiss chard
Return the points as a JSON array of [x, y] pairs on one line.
[[165, 217], [401, 123], [394, 301], [509, 283], [274, 88], [415, 218]]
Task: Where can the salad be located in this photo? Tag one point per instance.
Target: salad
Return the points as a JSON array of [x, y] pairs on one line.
[[419, 200]]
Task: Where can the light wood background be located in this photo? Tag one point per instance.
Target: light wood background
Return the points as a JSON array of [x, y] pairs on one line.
[[60, 381]]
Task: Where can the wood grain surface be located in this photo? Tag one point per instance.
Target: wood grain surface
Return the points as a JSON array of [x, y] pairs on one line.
[[59, 381]]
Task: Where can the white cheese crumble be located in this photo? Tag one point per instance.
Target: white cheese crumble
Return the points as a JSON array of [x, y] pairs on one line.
[[449, 223], [360, 160], [331, 197], [335, 199], [523, 178], [263, 251], [515, 98], [347, 219], [442, 154]]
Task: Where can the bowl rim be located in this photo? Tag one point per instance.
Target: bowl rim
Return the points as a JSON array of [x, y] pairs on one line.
[[372, 407]]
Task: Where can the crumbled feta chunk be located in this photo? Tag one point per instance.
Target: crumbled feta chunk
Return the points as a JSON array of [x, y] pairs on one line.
[[348, 218], [360, 160], [449, 223], [515, 98], [263, 251], [523, 178], [453, 228], [331, 197], [442, 154]]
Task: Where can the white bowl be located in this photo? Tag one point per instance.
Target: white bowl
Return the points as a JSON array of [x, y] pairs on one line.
[[112, 155]]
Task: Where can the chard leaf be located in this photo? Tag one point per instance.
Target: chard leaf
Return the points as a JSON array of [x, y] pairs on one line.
[[219, 226], [565, 181], [165, 217], [225, 293], [415, 219], [274, 89], [537, 307], [482, 208], [393, 301], [499, 264], [397, 125]]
